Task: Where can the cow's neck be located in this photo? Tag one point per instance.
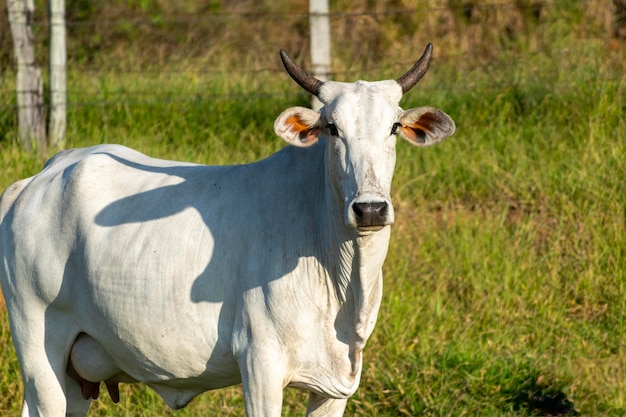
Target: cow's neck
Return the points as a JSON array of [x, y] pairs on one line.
[[354, 268], [357, 279]]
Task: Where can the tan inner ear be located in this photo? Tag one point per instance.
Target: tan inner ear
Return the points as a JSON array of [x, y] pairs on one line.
[[296, 124], [418, 126], [411, 132], [305, 132]]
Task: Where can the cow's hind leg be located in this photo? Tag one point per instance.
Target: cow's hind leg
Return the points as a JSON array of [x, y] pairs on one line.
[[325, 407], [42, 344]]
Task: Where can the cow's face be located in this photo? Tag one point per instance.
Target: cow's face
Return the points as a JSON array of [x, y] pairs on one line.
[[361, 121]]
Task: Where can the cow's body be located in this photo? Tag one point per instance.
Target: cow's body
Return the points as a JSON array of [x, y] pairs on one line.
[[118, 267]]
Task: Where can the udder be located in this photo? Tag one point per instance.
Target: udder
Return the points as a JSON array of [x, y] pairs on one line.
[[89, 364]]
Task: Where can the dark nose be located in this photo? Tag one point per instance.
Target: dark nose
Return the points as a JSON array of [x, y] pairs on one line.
[[370, 213]]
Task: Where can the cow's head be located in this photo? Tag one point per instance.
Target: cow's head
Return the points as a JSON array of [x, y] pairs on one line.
[[361, 121]]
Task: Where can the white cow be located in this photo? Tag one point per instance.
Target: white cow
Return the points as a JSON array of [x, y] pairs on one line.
[[118, 267]]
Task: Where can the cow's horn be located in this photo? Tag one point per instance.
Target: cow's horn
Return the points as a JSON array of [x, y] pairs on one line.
[[408, 80], [306, 81]]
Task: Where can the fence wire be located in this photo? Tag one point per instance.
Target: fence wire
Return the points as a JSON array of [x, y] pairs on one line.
[[137, 97], [243, 14]]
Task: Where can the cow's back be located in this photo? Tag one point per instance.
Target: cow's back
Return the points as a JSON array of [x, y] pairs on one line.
[[41, 216]]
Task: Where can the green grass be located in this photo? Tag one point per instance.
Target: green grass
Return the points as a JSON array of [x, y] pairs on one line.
[[505, 280]]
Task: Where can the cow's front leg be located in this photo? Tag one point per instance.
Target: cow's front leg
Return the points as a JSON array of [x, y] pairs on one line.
[[262, 375], [325, 407]]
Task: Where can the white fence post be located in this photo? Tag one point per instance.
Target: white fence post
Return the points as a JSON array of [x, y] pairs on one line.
[[320, 42], [58, 59]]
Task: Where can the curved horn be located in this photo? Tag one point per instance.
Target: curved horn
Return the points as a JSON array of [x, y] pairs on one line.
[[408, 80], [306, 81]]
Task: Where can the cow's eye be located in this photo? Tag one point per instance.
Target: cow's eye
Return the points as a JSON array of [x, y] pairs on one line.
[[332, 129], [394, 128]]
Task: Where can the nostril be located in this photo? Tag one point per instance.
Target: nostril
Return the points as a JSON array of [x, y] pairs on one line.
[[358, 209], [373, 213]]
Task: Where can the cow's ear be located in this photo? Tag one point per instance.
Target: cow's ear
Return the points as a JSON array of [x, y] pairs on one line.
[[299, 126], [424, 126]]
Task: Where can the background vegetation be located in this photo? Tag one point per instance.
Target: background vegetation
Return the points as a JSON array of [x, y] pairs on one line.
[[505, 280]]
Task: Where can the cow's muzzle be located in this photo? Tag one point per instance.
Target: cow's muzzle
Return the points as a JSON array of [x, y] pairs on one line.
[[370, 214]]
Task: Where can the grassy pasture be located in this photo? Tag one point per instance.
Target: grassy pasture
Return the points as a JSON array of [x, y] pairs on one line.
[[505, 280]]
